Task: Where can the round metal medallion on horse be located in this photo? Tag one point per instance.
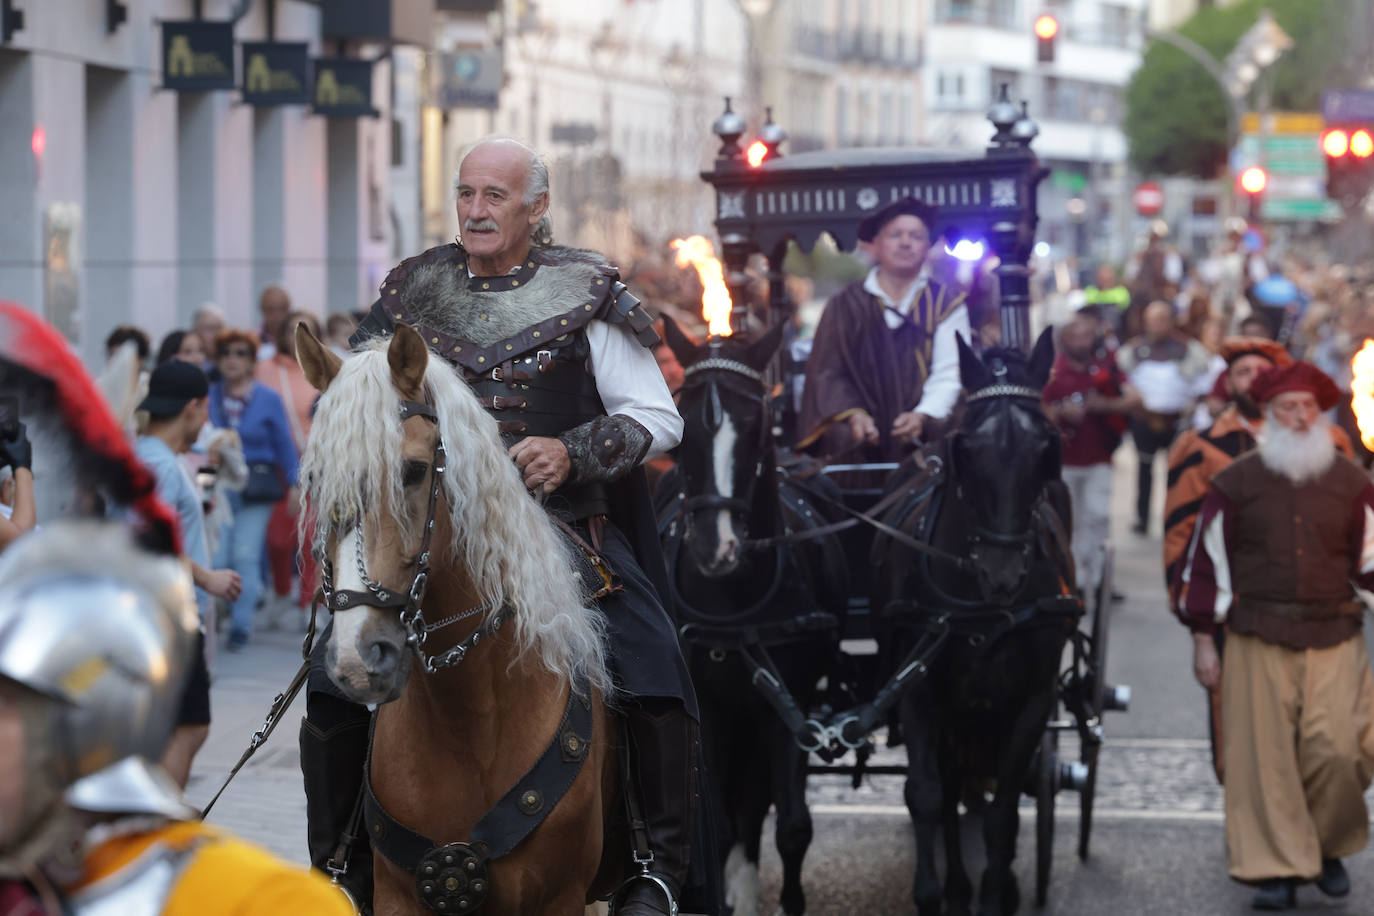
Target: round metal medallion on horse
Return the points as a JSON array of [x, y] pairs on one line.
[[453, 879]]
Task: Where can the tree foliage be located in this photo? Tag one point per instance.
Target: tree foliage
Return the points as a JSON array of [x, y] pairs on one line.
[[1175, 120]]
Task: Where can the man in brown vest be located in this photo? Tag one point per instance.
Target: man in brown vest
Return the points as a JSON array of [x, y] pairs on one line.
[[1283, 540]]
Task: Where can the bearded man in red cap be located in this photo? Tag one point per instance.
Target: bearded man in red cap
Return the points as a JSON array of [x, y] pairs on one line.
[[884, 369], [1195, 459], [1284, 540]]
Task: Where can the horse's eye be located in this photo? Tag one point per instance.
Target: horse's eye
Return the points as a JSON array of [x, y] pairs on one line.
[[414, 473]]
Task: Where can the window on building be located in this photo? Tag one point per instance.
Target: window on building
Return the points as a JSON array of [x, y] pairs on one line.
[[997, 77], [842, 116], [1118, 26], [887, 120]]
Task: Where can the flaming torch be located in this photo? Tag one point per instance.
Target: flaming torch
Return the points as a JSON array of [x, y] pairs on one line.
[[1362, 387], [698, 251]]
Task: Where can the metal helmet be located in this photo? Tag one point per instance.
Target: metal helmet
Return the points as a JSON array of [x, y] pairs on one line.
[[105, 632]]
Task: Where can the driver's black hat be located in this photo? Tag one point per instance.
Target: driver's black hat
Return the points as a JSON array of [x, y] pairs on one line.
[[172, 386], [907, 206]]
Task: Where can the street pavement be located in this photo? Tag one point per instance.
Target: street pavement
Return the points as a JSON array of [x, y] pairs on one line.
[[1157, 847]]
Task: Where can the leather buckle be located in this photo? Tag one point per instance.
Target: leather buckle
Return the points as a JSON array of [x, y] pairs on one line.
[[545, 359], [497, 375]]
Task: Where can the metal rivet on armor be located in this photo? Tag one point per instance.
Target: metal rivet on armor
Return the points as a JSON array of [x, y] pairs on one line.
[[383, 594], [399, 316], [609, 443], [472, 865], [443, 905], [483, 316], [393, 292], [481, 359], [601, 282], [562, 321], [486, 286], [530, 264], [479, 887], [457, 349], [515, 283], [451, 884], [448, 859], [510, 346], [434, 340], [586, 308], [429, 869], [536, 333]]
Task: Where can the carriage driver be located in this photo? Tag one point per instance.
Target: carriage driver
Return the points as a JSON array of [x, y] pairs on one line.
[[96, 637], [884, 368], [558, 351]]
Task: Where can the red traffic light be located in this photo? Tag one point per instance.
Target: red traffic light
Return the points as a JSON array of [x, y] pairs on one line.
[[1254, 180], [1361, 144], [1046, 27], [756, 153], [1335, 143]]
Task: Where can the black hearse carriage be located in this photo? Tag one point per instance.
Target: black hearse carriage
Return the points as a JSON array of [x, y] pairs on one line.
[[764, 203]]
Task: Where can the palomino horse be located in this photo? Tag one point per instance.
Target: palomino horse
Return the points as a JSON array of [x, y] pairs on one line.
[[720, 508], [432, 547], [992, 496]]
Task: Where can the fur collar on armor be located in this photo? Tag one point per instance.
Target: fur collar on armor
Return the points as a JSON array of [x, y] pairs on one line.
[[436, 292]]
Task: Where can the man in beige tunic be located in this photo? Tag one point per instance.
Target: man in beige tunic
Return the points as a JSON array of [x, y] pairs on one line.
[[1283, 540]]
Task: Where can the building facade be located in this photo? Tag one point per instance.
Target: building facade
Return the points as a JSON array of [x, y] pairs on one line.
[[129, 203]]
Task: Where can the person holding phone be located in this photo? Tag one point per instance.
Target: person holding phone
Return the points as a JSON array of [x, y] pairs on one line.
[[16, 454]]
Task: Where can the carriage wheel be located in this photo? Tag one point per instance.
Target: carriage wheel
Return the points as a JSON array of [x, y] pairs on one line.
[[1086, 796], [1100, 630], [1044, 814]]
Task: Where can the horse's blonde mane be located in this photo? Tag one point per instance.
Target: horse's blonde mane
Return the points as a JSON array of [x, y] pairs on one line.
[[352, 465]]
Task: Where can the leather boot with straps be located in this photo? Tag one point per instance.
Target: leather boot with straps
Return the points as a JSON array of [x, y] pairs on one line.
[[661, 790]]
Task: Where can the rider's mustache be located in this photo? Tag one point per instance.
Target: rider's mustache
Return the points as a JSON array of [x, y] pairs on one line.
[[480, 225]]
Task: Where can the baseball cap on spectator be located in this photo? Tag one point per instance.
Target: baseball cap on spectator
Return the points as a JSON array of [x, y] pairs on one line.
[[172, 386]]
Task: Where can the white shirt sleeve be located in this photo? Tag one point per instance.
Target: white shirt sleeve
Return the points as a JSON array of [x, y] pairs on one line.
[[630, 383], [943, 385]]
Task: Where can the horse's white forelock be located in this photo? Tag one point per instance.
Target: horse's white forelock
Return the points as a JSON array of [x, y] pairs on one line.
[[352, 465]]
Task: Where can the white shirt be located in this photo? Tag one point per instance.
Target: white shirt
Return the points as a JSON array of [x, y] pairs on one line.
[[630, 383], [942, 385]]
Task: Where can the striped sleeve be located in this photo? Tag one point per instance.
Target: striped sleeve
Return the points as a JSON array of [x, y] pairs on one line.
[[1205, 590], [1190, 477]]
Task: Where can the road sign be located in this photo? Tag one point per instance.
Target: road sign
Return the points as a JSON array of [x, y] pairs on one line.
[[1148, 198], [1295, 165], [1348, 106]]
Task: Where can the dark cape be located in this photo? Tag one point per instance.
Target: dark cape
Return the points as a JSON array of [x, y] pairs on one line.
[[858, 363]]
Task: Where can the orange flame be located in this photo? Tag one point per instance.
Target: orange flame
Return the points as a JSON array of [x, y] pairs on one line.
[[698, 251], [1362, 386]]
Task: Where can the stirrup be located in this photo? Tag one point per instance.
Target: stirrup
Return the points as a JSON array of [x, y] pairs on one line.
[[618, 897]]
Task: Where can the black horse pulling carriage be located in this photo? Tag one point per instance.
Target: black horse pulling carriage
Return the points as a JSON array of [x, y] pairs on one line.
[[959, 566]]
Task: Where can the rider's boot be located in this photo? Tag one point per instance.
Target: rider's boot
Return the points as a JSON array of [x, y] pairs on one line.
[[663, 752], [333, 751]]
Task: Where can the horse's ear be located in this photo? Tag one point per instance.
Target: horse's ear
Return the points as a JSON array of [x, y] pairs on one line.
[[407, 356], [318, 362], [761, 351], [1041, 360], [682, 346], [972, 372]]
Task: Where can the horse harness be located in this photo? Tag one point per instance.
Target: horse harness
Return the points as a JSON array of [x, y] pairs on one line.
[[454, 878]]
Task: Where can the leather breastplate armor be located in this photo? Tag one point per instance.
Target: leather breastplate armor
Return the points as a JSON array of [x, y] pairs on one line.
[[519, 340], [545, 392]]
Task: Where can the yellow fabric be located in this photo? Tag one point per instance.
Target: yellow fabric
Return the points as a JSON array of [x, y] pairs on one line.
[[226, 877], [1299, 746]]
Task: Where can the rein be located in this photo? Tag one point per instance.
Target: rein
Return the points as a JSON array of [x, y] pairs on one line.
[[407, 602]]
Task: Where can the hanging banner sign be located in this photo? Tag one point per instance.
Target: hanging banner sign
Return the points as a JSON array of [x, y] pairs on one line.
[[343, 88], [276, 73], [197, 56]]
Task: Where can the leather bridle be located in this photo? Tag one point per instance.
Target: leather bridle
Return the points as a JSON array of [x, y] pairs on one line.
[[744, 504], [407, 601]]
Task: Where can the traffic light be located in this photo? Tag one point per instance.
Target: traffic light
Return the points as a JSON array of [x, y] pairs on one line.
[[1349, 153], [1046, 30], [1253, 181]]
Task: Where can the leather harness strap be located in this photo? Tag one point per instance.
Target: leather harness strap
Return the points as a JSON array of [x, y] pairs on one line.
[[518, 812]]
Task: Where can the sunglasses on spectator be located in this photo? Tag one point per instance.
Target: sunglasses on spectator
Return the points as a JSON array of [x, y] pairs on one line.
[[238, 351]]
